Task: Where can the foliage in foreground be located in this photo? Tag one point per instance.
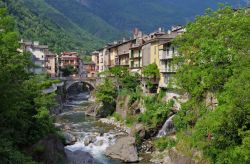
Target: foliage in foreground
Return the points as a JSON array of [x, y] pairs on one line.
[[214, 57], [24, 112]]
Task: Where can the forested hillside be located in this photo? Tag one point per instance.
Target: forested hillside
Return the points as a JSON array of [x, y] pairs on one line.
[[148, 15], [38, 21], [85, 25]]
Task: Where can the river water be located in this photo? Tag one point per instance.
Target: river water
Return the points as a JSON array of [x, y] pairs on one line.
[[91, 137]]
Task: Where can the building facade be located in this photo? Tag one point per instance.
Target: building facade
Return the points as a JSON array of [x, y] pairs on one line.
[[51, 64], [70, 58], [167, 51], [113, 55], [95, 59], [90, 69], [123, 51], [38, 55]]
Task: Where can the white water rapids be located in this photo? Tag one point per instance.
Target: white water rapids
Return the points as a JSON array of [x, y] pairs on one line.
[[90, 137]]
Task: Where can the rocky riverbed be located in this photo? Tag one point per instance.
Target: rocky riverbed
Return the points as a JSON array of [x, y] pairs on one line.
[[88, 140]]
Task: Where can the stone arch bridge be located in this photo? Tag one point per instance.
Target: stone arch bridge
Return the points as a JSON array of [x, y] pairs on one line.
[[70, 81], [67, 82]]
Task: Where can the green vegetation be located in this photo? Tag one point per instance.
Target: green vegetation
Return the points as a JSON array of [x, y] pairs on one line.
[[156, 112], [37, 20], [149, 15], [214, 53], [24, 112], [164, 143], [151, 71], [68, 70], [85, 19]]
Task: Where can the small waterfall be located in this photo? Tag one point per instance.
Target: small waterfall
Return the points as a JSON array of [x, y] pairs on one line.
[[167, 128]]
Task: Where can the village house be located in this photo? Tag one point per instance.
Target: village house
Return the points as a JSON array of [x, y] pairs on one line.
[[113, 55], [95, 59], [166, 53], [89, 69], [135, 55], [70, 58], [38, 55], [51, 64], [123, 52], [104, 59]]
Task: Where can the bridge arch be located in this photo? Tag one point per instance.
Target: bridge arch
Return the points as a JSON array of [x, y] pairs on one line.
[[69, 84]]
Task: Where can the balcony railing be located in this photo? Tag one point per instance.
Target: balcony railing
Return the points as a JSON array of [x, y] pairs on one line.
[[166, 55], [168, 70]]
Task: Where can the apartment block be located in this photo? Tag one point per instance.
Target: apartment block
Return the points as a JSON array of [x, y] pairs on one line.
[[167, 51]]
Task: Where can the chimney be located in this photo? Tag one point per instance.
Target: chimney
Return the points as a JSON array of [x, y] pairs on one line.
[[135, 33]]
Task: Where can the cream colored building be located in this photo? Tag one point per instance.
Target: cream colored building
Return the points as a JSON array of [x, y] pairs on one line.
[[167, 51], [51, 64], [113, 55]]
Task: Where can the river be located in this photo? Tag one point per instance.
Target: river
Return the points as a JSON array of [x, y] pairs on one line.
[[92, 138]]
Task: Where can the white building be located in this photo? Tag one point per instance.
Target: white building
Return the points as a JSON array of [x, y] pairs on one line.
[[38, 55]]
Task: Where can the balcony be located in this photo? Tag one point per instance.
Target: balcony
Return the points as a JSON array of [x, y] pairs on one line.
[[166, 55], [167, 70]]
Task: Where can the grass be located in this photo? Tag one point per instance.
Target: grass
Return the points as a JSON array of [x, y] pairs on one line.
[[164, 143]]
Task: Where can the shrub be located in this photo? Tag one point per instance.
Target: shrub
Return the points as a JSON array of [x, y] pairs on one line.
[[117, 116], [164, 143]]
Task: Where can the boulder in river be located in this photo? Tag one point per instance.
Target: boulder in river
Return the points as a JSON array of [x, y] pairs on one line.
[[101, 110], [89, 139], [124, 149], [80, 157], [69, 138]]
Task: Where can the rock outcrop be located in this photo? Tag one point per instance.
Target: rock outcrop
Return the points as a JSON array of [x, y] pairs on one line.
[[124, 149], [100, 110], [122, 103], [172, 156]]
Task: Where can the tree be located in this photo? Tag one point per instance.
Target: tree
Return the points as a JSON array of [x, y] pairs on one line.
[[214, 57], [151, 71], [106, 92], [68, 70], [24, 111]]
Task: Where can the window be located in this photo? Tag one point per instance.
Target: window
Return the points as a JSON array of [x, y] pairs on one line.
[[167, 51], [132, 64]]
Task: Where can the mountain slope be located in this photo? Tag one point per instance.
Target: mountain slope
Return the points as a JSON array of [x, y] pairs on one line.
[[36, 20], [85, 19], [84, 25], [148, 15]]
